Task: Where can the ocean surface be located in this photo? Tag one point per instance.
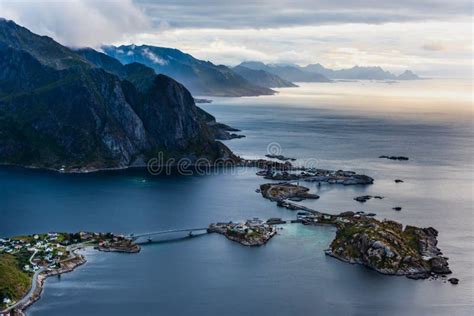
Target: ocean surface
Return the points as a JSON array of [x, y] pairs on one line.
[[342, 125]]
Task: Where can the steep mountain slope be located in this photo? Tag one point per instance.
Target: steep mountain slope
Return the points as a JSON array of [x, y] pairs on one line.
[[59, 109], [42, 48], [143, 78], [288, 72], [200, 77], [262, 78], [140, 75]]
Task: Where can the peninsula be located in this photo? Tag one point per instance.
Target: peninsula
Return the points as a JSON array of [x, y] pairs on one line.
[[26, 261]]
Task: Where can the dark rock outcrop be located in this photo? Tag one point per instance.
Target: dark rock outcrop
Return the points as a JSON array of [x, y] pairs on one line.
[[453, 280], [394, 157]]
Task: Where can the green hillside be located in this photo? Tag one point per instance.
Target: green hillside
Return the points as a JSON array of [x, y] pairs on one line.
[[14, 283]]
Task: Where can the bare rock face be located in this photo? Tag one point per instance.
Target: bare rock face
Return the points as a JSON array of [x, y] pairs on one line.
[[388, 248]]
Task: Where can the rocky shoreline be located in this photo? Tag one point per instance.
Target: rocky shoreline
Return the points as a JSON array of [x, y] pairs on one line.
[[283, 190], [316, 175], [388, 248], [71, 265], [68, 266], [280, 157], [124, 245]]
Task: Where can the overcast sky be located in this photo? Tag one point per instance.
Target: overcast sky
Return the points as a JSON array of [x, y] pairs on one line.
[[431, 37]]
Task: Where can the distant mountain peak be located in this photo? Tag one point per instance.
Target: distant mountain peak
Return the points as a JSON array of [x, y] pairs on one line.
[[408, 75]]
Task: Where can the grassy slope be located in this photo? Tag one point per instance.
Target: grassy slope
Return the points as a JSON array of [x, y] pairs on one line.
[[14, 283]]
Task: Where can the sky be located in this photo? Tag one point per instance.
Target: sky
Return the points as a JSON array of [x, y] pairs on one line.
[[431, 37]]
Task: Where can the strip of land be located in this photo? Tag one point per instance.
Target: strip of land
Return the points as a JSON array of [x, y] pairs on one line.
[[29, 260]]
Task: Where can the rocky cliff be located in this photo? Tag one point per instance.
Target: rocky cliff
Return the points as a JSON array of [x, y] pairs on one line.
[[58, 109]]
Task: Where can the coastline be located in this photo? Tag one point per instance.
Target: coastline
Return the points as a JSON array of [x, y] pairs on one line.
[[109, 243], [75, 171], [240, 162], [38, 283]]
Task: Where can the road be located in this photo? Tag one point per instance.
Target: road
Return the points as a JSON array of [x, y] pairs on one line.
[[34, 284], [34, 280]]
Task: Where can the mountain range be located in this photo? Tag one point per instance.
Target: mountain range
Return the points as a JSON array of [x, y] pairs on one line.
[[262, 78], [200, 77], [359, 73], [291, 73], [83, 110], [319, 73]]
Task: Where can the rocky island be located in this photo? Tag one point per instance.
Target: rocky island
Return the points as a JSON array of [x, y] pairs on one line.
[[253, 232], [315, 175], [388, 248], [365, 198], [384, 246], [280, 157], [393, 157], [283, 190]]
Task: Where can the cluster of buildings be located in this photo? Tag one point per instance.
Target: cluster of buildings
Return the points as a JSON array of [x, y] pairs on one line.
[[251, 232], [44, 250], [308, 218]]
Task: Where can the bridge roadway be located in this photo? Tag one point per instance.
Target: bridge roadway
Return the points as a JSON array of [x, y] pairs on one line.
[[149, 234], [169, 231]]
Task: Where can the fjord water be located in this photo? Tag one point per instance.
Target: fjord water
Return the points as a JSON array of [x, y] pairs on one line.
[[343, 125]]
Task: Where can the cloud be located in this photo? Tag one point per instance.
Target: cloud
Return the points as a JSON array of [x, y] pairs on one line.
[[397, 35], [337, 46], [78, 22], [156, 59], [281, 13]]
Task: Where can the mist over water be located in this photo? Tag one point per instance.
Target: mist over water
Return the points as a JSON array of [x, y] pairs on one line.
[[343, 125]]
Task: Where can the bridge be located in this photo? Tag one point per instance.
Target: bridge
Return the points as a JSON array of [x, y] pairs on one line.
[[163, 232], [191, 230]]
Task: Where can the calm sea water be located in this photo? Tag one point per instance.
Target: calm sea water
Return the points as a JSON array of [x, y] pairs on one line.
[[344, 125]]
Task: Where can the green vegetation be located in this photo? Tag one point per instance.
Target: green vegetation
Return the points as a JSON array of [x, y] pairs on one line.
[[384, 246], [14, 283]]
